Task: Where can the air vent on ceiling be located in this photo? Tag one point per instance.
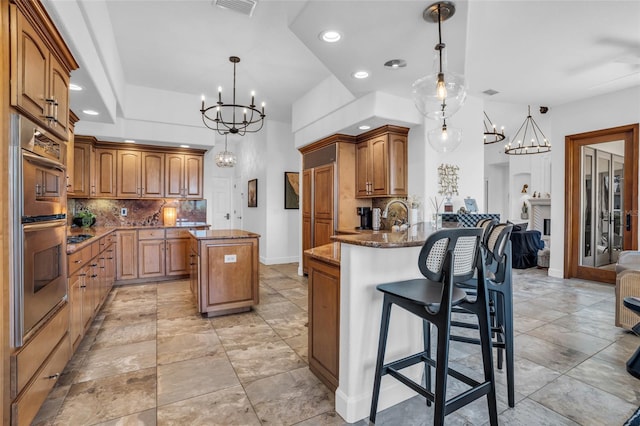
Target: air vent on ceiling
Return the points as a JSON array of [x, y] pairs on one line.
[[245, 7], [490, 92]]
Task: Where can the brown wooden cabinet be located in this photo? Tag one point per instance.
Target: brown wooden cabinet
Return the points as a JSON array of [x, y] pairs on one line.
[[82, 184], [104, 177], [324, 320], [151, 253], [152, 175], [127, 255], [177, 256], [73, 119], [227, 272], [381, 163], [39, 69], [184, 176], [129, 174]]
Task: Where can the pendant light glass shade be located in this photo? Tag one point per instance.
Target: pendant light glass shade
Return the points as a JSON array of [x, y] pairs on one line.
[[444, 139], [226, 158], [439, 95]]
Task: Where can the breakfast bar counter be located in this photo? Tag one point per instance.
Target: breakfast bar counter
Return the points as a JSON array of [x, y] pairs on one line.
[[366, 260]]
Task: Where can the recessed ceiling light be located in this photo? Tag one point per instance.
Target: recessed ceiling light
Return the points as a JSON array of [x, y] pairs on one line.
[[129, 141], [360, 75], [395, 63], [90, 112], [364, 127], [184, 146], [75, 87], [330, 36]]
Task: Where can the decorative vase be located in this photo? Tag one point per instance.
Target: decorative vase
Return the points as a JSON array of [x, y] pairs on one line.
[[436, 221], [413, 216]]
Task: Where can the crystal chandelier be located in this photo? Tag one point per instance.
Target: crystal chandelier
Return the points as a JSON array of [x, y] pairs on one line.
[[440, 94], [233, 118], [226, 158], [538, 142], [491, 134]]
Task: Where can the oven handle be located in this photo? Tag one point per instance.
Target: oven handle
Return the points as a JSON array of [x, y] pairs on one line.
[[43, 161], [44, 225]]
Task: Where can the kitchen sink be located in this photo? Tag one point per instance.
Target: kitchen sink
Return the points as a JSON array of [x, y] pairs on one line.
[[75, 239]]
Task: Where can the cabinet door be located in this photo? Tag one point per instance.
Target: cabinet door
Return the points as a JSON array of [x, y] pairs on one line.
[[397, 165], [323, 192], [379, 166], [230, 276], [129, 174], [306, 193], [193, 176], [89, 293], [151, 255], [29, 69], [306, 240], [194, 270], [105, 173], [324, 321], [322, 232], [363, 168], [127, 255], [174, 172], [152, 175], [81, 165], [177, 256], [59, 95], [76, 324]]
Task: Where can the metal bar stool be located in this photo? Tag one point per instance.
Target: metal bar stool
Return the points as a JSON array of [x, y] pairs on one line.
[[633, 364], [500, 285], [447, 256]]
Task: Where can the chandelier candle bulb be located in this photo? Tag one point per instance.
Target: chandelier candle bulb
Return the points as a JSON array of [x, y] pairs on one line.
[[253, 94]]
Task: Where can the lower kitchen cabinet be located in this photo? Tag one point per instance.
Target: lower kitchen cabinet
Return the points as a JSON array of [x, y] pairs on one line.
[[127, 255], [227, 273], [151, 253], [324, 313]]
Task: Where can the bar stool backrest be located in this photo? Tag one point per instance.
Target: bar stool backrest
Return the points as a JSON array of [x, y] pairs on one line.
[[462, 243], [487, 225], [497, 242]]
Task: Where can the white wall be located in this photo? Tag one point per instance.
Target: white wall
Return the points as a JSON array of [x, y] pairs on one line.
[[601, 112]]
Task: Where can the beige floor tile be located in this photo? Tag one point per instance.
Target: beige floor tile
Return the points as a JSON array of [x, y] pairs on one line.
[[576, 340], [126, 334], [181, 325], [555, 357], [262, 360], [608, 377], [109, 398], [185, 379], [113, 360], [181, 347], [289, 397], [228, 406], [144, 418]]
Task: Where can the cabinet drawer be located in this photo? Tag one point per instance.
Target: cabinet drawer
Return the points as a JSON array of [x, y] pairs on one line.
[[25, 408], [95, 249], [150, 234], [177, 233], [26, 362], [77, 259]]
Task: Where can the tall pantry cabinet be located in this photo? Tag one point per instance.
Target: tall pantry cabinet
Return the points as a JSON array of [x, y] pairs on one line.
[[328, 190]]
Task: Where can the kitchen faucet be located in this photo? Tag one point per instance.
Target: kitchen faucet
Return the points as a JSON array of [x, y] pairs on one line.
[[386, 209]]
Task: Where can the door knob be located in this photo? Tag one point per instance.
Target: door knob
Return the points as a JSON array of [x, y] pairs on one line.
[[227, 216]]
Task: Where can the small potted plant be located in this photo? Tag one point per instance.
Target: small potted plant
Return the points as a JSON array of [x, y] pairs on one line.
[[84, 218]]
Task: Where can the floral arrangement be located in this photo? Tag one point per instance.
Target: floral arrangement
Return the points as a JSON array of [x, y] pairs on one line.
[[448, 180]]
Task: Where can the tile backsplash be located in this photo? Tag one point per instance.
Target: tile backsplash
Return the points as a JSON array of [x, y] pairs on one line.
[[139, 212]]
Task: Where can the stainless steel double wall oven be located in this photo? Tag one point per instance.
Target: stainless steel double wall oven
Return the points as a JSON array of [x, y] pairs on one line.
[[38, 217]]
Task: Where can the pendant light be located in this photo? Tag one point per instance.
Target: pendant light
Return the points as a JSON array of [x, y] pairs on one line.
[[225, 158], [444, 139], [529, 139], [440, 94]]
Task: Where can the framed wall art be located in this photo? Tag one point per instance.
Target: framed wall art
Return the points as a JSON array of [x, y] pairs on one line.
[[291, 190], [252, 193]]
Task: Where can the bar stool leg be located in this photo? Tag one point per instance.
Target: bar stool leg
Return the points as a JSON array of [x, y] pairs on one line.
[[442, 368], [426, 335], [382, 345], [508, 337], [487, 362]]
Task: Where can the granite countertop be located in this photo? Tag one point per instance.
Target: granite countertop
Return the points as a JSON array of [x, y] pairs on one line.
[[222, 234], [329, 253], [98, 232], [416, 236]]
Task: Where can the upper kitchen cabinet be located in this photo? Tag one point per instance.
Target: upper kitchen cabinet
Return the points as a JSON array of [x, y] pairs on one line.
[[40, 67], [381, 162], [112, 170], [183, 176], [73, 119]]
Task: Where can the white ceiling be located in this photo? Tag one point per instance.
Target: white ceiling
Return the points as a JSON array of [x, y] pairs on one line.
[[531, 52]]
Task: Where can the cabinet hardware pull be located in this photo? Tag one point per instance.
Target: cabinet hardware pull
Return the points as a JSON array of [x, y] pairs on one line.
[[94, 275], [628, 220], [83, 286], [78, 261], [94, 264], [54, 376], [82, 275]]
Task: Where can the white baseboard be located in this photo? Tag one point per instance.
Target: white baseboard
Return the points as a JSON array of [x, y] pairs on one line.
[[556, 273], [279, 260]]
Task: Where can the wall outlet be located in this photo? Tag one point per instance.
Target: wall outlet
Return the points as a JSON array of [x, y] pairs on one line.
[[123, 211]]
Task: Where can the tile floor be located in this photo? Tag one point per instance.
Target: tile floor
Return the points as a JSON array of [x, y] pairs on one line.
[[150, 359]]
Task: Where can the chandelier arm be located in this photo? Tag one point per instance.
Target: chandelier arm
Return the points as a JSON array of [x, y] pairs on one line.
[[544, 138]]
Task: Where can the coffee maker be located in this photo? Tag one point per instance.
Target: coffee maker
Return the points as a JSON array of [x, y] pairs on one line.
[[365, 217]]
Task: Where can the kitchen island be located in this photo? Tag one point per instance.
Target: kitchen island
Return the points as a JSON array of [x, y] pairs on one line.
[[224, 270], [367, 260]]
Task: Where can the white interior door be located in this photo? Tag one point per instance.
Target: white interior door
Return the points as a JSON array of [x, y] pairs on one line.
[[221, 205]]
